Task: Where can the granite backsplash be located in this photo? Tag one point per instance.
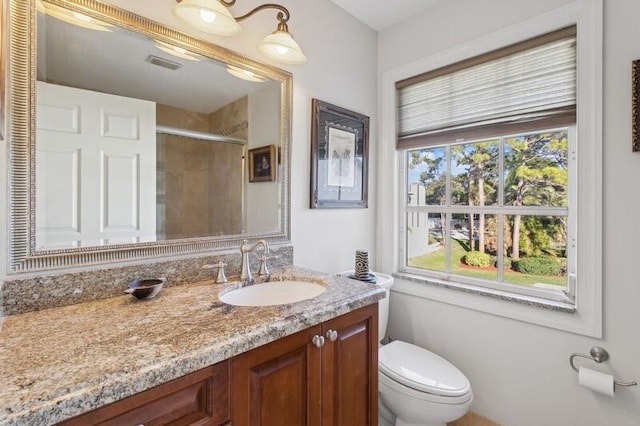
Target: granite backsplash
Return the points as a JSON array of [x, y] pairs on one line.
[[22, 295]]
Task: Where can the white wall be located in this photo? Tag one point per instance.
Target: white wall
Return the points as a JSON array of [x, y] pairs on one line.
[[264, 129], [341, 70], [520, 372]]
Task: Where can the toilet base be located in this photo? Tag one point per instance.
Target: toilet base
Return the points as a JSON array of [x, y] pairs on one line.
[[409, 407], [385, 417]]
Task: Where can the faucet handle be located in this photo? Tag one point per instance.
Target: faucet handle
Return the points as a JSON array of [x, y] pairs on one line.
[[221, 277], [264, 269], [263, 262]]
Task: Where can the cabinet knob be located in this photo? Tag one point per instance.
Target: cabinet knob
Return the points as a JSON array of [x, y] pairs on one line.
[[318, 341], [332, 335]]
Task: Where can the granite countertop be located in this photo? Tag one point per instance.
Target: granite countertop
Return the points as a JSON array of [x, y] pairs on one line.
[[61, 362]]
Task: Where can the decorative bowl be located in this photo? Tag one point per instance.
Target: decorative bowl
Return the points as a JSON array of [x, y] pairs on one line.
[[145, 289]]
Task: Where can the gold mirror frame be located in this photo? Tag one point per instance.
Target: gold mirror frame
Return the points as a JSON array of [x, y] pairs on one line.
[[20, 121]]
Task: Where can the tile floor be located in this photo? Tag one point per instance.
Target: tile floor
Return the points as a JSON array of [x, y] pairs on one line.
[[472, 419]]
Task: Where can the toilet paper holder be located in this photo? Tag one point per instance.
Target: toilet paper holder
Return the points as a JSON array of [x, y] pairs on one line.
[[598, 355]]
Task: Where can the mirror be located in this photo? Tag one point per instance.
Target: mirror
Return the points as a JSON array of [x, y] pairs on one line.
[[140, 139]]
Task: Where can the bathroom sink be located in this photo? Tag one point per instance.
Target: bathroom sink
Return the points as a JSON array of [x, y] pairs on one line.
[[273, 293]]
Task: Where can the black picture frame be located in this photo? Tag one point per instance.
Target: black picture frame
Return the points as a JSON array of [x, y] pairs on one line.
[[339, 157], [635, 105], [262, 164]]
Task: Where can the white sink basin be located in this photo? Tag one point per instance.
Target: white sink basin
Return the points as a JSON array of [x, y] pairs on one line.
[[273, 293]]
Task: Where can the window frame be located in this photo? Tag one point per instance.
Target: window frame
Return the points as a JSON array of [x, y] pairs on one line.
[[585, 316], [566, 295]]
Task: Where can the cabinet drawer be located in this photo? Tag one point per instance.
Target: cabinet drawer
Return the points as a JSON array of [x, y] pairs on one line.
[[200, 398]]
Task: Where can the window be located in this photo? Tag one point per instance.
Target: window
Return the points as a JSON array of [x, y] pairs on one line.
[[486, 145], [493, 212], [584, 185]]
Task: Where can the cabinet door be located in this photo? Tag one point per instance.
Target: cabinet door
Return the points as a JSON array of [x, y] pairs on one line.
[[278, 384], [350, 369], [200, 398]]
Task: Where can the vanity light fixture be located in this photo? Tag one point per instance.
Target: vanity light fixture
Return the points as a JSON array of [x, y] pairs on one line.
[[209, 16], [213, 17], [71, 17], [176, 51], [245, 74]]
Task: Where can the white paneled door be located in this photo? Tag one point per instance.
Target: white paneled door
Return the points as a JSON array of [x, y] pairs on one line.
[[95, 168]]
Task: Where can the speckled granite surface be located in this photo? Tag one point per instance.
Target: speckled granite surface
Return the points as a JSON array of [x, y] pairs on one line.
[[496, 294], [57, 363], [24, 295]]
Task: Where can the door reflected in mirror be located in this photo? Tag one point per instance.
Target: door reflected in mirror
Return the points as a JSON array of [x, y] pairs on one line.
[[140, 140]]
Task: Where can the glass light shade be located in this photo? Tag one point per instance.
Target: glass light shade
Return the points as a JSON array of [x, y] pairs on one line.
[[280, 46], [74, 18], [176, 51], [245, 74], [209, 16]]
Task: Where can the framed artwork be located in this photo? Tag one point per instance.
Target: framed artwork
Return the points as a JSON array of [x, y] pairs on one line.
[[635, 105], [339, 155], [262, 164]]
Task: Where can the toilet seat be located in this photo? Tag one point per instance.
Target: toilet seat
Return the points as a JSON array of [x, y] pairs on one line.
[[422, 370], [389, 386]]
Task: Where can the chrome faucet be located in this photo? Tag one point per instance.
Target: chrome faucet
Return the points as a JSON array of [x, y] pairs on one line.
[[245, 275]]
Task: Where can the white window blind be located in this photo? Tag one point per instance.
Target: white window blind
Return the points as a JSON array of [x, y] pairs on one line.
[[531, 81]]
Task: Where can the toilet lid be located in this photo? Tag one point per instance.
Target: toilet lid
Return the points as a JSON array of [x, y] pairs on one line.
[[422, 370]]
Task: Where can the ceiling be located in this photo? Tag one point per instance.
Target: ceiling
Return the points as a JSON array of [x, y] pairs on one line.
[[381, 14], [116, 62]]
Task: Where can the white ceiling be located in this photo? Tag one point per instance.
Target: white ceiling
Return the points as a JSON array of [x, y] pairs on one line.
[[380, 14], [114, 62]]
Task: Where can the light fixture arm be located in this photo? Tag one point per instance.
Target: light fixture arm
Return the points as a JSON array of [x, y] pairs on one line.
[[227, 3], [283, 14], [279, 45]]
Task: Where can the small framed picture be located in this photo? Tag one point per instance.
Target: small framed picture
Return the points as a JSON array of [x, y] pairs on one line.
[[262, 164], [339, 151]]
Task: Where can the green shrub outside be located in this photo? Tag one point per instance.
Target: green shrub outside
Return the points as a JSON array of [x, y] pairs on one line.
[[478, 259], [505, 260], [537, 266]]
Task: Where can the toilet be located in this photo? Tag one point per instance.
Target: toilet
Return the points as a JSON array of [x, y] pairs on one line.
[[415, 386]]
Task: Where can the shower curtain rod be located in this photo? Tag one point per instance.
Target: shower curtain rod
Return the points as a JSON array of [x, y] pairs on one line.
[[168, 130]]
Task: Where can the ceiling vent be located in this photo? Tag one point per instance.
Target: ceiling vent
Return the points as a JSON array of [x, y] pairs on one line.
[[161, 62]]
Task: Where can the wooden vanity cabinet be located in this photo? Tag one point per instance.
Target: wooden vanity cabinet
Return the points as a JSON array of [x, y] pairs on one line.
[[298, 381], [200, 398], [278, 383], [326, 375], [350, 369]]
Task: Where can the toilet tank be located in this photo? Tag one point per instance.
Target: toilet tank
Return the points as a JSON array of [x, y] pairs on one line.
[[386, 282]]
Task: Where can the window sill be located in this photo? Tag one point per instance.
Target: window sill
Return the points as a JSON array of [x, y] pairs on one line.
[[532, 310], [487, 292]]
